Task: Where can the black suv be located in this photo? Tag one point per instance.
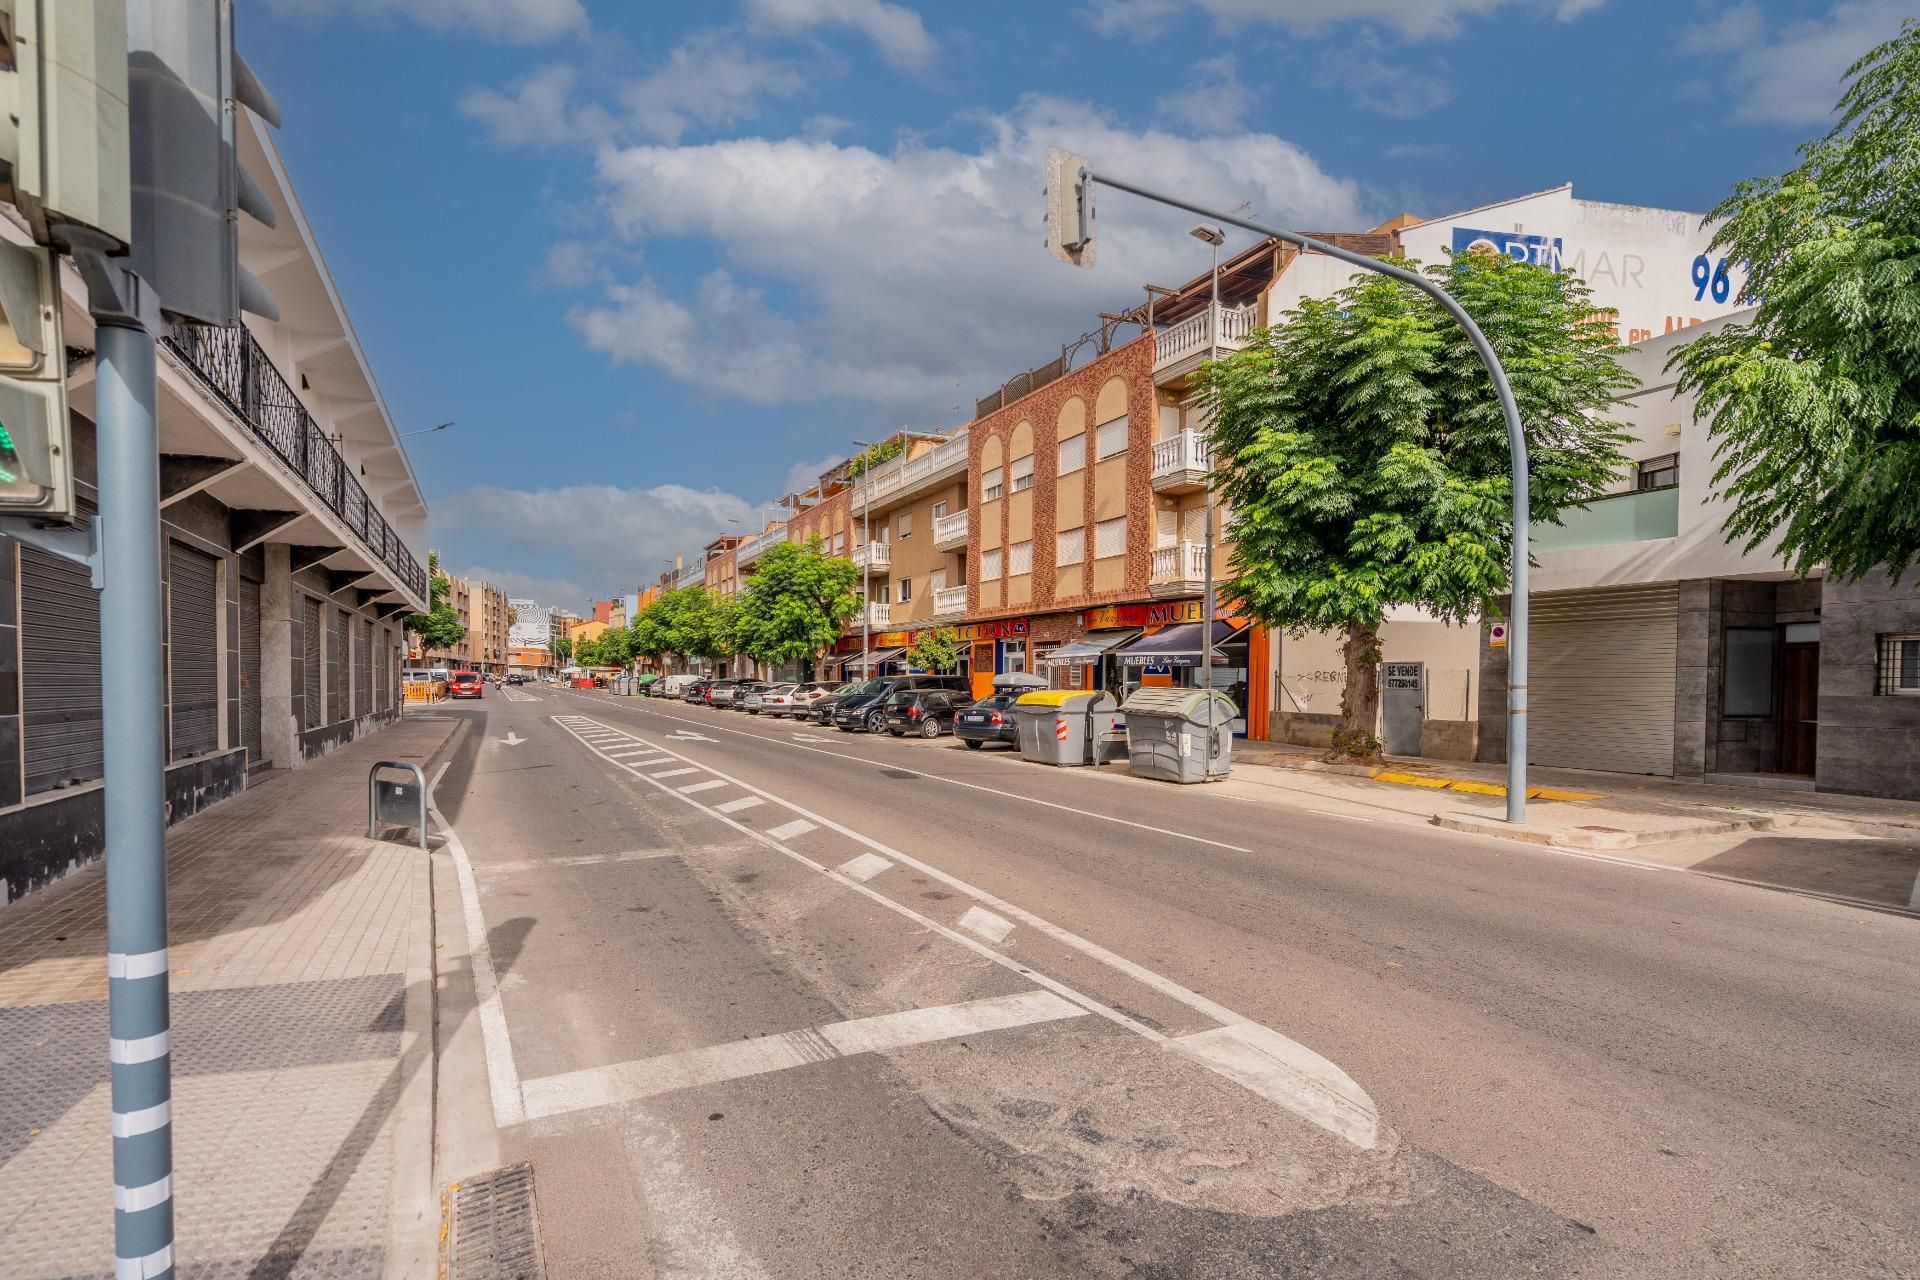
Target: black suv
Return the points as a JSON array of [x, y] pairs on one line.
[[864, 709]]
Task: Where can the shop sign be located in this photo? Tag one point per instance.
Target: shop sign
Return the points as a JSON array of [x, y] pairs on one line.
[[1155, 614], [971, 632]]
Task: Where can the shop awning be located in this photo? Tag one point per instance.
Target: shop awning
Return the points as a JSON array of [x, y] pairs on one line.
[[1177, 646], [1085, 650], [869, 661]]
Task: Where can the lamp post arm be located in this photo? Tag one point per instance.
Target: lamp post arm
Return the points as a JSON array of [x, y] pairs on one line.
[[1516, 446]]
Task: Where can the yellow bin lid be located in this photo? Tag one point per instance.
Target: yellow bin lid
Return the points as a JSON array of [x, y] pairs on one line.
[[1048, 697]]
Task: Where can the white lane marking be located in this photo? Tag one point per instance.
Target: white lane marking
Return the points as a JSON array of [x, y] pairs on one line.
[[649, 1077], [788, 830], [809, 737], [1308, 1106], [673, 773], [689, 736], [503, 1079], [692, 787], [735, 806], [578, 860], [863, 868], [970, 786], [988, 925], [1282, 1071]]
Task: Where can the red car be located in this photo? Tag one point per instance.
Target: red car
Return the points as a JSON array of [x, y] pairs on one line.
[[466, 684]]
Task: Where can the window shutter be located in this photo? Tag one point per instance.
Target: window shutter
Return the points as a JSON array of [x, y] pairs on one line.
[[937, 580], [1020, 558], [1113, 438], [1071, 547], [1073, 453], [1022, 469], [990, 485], [1110, 538], [1169, 421], [906, 524], [990, 565]]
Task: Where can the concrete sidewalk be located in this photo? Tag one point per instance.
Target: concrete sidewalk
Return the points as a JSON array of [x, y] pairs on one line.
[[301, 971], [1853, 848]]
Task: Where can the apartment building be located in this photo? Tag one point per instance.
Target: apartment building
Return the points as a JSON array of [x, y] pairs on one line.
[[291, 523], [484, 611]]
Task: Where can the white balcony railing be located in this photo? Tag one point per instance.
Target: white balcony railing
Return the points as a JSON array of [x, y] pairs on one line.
[[693, 575], [950, 602], [872, 556], [878, 615], [750, 550], [1181, 562], [1195, 335], [892, 479], [1178, 454], [950, 530]]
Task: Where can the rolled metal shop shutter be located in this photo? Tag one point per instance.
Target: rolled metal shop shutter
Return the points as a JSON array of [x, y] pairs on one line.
[[338, 706], [250, 671], [310, 649], [193, 652], [363, 670], [59, 672], [1601, 688]]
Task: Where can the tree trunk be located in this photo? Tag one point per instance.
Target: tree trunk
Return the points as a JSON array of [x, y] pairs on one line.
[[1356, 738]]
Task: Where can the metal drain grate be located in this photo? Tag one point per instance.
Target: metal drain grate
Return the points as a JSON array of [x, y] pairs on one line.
[[493, 1234]]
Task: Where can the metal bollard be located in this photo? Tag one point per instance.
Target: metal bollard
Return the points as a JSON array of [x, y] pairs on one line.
[[397, 804]]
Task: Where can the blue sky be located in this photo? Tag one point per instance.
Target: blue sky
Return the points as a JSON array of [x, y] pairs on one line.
[[662, 260]]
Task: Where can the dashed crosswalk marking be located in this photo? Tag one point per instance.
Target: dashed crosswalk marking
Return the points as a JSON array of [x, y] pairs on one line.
[[735, 806], [673, 773], [863, 868], [788, 830], [708, 785], [810, 737], [988, 925]]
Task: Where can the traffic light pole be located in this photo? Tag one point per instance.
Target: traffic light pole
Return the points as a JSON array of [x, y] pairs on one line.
[[1516, 445], [130, 685]]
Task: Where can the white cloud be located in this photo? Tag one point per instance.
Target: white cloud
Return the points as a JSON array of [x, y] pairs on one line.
[[1216, 101], [801, 476], [710, 81], [1796, 77], [1413, 19], [895, 30], [916, 266], [535, 114], [574, 264], [554, 592], [519, 21], [1379, 86], [600, 537]]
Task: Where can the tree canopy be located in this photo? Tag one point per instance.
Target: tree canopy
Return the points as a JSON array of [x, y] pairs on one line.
[[1364, 457], [1815, 400], [439, 627], [936, 649], [795, 603], [681, 621]]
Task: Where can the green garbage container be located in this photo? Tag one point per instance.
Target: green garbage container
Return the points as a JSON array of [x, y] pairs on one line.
[[1063, 726], [1180, 735]]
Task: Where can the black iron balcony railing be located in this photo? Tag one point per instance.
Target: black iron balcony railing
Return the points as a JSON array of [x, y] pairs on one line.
[[232, 365]]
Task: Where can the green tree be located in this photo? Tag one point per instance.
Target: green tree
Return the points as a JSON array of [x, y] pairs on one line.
[[561, 648], [439, 627], [1815, 401], [936, 649], [1363, 454], [875, 454], [795, 603]]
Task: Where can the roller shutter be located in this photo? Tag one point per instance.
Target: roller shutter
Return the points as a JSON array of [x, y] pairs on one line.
[[338, 706], [59, 672], [310, 651], [250, 671], [193, 652], [1601, 689], [363, 670]]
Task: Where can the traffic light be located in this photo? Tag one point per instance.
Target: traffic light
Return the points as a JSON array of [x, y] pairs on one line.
[[63, 115], [36, 455], [186, 87], [1069, 207]]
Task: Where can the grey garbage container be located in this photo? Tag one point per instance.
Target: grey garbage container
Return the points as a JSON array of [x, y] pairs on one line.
[[1180, 735], [1063, 726]]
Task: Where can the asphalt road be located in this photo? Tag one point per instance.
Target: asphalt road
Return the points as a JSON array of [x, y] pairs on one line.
[[788, 1002]]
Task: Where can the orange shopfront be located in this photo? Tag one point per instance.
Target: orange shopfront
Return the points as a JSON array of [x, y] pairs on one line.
[[1098, 657]]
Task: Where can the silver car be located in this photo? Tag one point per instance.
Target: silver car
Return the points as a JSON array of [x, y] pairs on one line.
[[773, 700], [801, 698]]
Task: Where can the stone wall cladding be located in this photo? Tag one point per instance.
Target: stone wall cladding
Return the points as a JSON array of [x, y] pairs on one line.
[[1134, 362], [1869, 742]]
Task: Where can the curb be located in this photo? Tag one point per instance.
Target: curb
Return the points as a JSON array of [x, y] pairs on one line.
[[1428, 781], [1598, 839]]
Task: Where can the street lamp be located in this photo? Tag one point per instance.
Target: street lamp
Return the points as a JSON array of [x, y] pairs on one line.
[[866, 570], [407, 435], [1214, 237]]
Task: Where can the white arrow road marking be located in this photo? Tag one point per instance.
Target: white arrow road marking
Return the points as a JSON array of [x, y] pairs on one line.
[[513, 739], [688, 736]]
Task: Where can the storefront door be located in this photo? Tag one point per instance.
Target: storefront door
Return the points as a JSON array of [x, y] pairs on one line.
[[1799, 706]]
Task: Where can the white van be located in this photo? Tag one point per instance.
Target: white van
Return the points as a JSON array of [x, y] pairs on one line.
[[671, 686]]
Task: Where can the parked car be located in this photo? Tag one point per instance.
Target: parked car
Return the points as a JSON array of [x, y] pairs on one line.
[[466, 684], [721, 692], [802, 699], [988, 720], [863, 710], [926, 712], [761, 699], [696, 690], [823, 708], [670, 686], [518, 677]]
